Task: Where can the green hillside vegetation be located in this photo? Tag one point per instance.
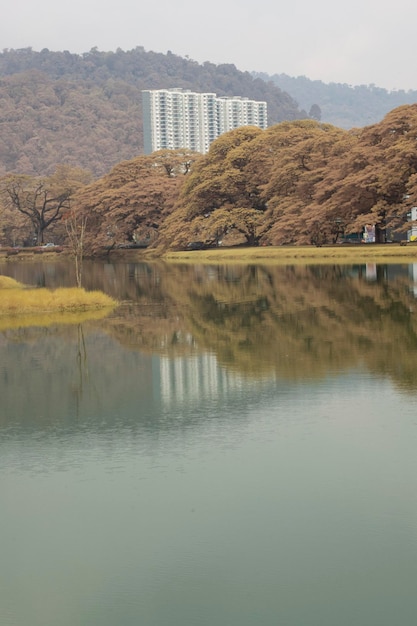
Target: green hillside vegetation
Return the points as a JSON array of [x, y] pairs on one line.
[[300, 182], [86, 110], [347, 106]]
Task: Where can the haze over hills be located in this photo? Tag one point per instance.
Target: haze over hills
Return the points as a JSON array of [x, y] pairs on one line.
[[346, 106], [86, 110]]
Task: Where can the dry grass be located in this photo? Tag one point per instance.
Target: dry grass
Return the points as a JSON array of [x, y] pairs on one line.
[[16, 299], [9, 283], [385, 253], [13, 322]]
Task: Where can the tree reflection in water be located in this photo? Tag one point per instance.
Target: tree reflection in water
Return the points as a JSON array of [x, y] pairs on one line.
[[294, 322]]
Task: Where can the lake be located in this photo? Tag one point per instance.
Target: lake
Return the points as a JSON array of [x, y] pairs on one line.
[[232, 446]]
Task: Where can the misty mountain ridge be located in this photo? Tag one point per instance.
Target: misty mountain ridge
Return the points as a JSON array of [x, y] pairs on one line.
[[343, 105]]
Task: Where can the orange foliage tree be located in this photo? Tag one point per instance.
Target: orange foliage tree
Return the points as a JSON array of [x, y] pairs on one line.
[[128, 205], [308, 182]]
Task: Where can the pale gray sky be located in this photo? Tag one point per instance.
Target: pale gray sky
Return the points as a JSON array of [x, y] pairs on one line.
[[362, 42]]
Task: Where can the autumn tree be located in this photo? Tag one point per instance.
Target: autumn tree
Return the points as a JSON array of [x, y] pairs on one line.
[[42, 200], [216, 185], [128, 205], [219, 178], [271, 175], [372, 181], [292, 159], [232, 223]]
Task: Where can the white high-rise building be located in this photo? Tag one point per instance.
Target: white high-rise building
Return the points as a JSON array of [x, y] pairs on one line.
[[178, 118]]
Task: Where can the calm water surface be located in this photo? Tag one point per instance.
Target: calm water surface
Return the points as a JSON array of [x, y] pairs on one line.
[[232, 446]]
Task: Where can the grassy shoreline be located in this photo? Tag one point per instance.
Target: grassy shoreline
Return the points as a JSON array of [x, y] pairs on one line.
[[384, 253], [17, 299], [290, 255]]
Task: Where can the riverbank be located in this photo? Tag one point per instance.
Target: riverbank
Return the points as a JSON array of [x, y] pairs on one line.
[[366, 253], [284, 255]]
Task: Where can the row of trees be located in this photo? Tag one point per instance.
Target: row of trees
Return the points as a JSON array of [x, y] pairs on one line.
[[301, 182], [127, 206], [294, 183]]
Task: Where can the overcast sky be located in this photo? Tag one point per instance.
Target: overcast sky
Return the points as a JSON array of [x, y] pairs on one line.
[[357, 42]]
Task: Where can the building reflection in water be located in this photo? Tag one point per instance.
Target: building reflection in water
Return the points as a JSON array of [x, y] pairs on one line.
[[189, 379]]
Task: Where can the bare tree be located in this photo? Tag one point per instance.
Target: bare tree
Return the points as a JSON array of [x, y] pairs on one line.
[[33, 198], [75, 226], [42, 200]]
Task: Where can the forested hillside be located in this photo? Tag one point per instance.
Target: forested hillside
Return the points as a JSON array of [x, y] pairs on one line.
[[340, 104], [86, 110]]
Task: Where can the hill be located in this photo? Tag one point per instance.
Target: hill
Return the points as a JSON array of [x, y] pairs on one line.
[[86, 110], [340, 104]]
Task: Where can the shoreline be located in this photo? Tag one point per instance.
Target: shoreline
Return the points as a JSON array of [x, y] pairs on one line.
[[268, 255], [290, 255]]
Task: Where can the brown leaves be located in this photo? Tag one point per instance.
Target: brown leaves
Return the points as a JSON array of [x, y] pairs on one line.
[[276, 186], [304, 175], [131, 202]]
